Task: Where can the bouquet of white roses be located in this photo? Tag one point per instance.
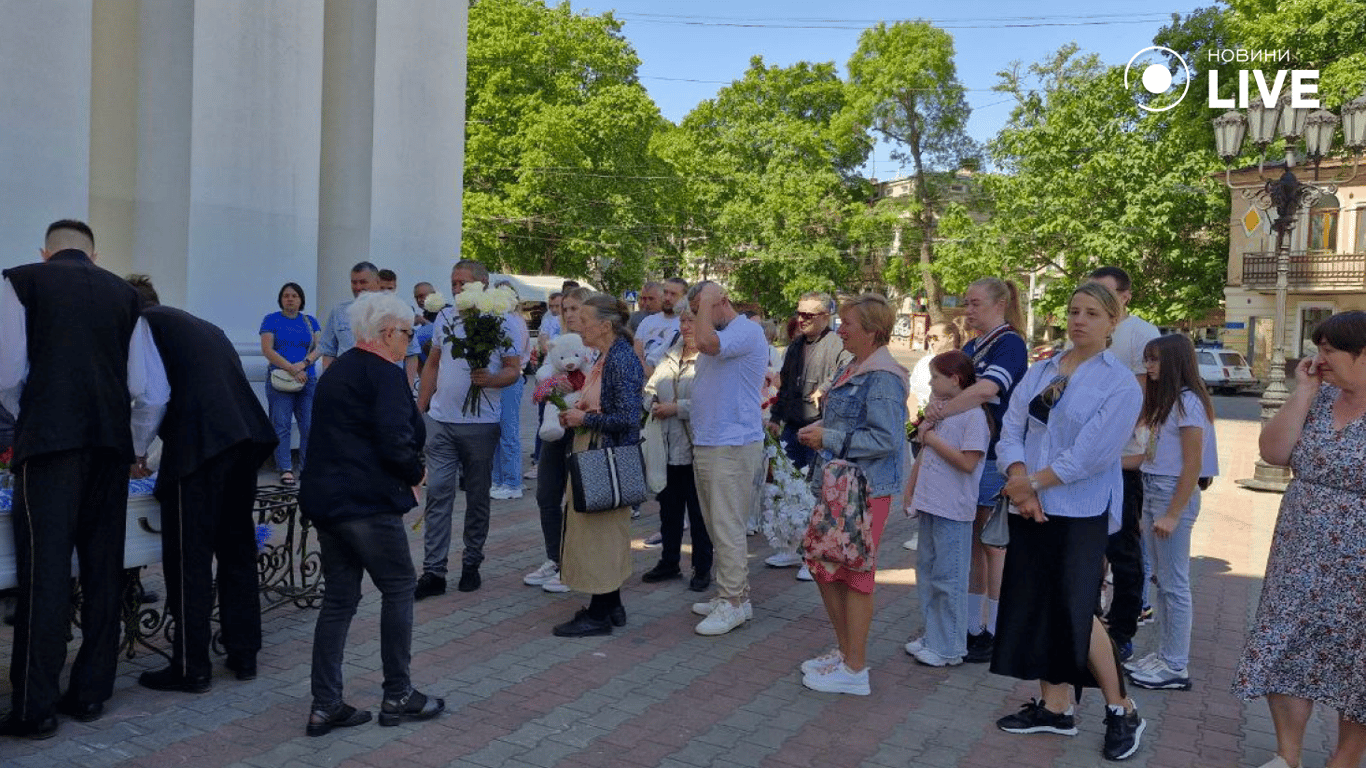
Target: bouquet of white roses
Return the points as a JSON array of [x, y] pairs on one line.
[[480, 312], [787, 498]]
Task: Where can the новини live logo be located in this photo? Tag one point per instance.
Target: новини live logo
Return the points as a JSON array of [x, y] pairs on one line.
[[1146, 69]]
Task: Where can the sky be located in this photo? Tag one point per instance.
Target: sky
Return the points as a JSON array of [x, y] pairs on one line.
[[690, 49]]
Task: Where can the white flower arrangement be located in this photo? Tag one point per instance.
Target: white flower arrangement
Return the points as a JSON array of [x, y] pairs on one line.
[[787, 499]]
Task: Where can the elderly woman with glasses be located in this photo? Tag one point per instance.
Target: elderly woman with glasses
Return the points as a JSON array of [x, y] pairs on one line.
[[361, 479], [1060, 450]]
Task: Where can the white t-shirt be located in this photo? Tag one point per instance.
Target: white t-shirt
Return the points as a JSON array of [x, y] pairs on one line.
[[940, 488], [453, 378], [550, 326], [727, 389], [1164, 443], [1130, 337], [920, 380], [655, 332]]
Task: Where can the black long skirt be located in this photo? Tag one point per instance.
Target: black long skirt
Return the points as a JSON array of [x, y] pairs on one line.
[[1049, 593]]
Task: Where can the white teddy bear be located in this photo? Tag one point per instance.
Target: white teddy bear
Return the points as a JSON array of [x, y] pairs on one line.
[[562, 374]]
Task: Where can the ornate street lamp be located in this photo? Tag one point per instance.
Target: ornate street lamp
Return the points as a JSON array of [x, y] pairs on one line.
[[1287, 196]]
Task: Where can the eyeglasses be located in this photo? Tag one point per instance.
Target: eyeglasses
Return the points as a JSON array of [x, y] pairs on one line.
[[810, 315]]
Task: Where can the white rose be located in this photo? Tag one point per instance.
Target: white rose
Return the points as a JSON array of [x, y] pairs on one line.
[[434, 302], [469, 296], [487, 302]]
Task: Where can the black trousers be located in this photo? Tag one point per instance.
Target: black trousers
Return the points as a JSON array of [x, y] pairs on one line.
[[1125, 553], [679, 497], [69, 500], [552, 474], [208, 514]]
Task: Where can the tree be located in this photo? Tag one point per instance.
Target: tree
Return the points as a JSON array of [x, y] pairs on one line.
[[559, 173], [1089, 179], [1320, 34], [771, 183], [904, 87]]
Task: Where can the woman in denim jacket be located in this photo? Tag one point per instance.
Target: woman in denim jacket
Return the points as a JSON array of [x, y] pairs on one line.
[[866, 404]]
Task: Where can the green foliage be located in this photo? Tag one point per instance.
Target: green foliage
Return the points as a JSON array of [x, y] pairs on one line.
[[559, 173], [1090, 180], [1328, 35]]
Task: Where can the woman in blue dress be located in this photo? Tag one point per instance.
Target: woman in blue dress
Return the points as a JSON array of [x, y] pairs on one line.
[[289, 340]]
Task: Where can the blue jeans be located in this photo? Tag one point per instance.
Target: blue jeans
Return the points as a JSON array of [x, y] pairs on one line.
[[507, 466], [454, 450], [1171, 568], [800, 455], [286, 407], [941, 583], [378, 546]]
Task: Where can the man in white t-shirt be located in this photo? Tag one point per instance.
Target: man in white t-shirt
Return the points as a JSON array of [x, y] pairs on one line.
[[728, 444], [460, 443], [657, 332], [1125, 550]]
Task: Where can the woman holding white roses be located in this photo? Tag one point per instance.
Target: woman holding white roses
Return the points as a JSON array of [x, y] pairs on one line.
[[863, 421], [596, 550]]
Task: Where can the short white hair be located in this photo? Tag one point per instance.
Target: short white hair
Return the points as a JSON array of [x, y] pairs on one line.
[[374, 311]]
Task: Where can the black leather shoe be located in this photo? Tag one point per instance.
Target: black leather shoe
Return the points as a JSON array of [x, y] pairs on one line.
[[321, 721], [980, 647], [617, 616], [414, 706], [583, 625], [243, 666], [700, 582], [80, 710], [429, 585], [42, 729], [170, 680], [661, 572], [469, 580]]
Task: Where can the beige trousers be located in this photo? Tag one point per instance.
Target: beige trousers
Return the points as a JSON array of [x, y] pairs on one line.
[[725, 487]]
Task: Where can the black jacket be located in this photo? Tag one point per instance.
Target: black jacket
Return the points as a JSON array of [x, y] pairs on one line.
[[212, 407], [365, 442]]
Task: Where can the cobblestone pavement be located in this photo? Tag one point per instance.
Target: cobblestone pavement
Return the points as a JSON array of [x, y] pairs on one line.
[[656, 694]]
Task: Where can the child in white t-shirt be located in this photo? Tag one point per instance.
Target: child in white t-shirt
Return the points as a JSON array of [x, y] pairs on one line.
[[1181, 453], [943, 495]]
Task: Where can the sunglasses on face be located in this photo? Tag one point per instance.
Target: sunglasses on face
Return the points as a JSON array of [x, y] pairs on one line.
[[809, 315]]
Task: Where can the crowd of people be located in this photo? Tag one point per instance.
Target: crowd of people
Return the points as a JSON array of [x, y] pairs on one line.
[[1028, 483]]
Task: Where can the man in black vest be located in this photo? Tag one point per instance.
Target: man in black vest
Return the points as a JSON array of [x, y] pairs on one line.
[[215, 437], [73, 354]]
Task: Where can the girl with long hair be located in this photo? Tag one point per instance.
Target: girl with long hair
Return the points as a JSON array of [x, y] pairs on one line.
[[1180, 419]]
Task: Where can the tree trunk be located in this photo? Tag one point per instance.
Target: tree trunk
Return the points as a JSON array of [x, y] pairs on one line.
[[934, 304]]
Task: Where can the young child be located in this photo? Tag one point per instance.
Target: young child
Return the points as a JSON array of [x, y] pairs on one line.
[[1180, 459], [943, 492]]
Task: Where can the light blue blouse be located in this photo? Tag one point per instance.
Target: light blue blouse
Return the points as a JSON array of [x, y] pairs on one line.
[[1083, 439]]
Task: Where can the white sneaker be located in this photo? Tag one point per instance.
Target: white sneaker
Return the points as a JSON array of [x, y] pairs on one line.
[[498, 492], [548, 570], [530, 474], [913, 542], [804, 573], [931, 659], [723, 618], [915, 645], [783, 560], [554, 584], [512, 493], [705, 609], [839, 679], [1145, 663], [822, 662]]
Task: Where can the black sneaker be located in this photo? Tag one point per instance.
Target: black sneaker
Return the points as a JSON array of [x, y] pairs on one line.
[[429, 585], [1122, 734], [469, 580], [980, 647], [1035, 718]]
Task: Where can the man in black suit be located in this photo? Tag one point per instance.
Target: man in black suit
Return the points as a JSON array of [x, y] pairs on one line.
[[215, 437], [73, 354]]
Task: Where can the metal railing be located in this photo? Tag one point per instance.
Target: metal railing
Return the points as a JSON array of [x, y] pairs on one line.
[[1306, 270]]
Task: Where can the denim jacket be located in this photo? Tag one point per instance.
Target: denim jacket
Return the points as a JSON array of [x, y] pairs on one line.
[[872, 403]]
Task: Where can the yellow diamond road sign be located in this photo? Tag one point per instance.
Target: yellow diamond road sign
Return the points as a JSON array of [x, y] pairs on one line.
[[1252, 221]]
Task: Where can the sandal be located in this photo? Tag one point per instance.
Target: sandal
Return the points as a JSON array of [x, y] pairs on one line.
[[321, 722], [287, 478], [414, 706]]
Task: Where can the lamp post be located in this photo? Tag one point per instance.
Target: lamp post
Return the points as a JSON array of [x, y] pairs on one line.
[[1287, 196]]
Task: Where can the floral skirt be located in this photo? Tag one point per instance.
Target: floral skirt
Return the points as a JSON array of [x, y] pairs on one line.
[[859, 581]]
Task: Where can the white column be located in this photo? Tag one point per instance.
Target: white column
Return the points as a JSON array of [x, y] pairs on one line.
[[393, 141], [45, 133]]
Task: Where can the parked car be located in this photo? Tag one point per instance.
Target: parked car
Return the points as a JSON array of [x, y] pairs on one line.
[[1225, 372]]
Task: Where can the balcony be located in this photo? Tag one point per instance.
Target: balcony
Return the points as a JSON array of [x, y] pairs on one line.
[[1307, 271]]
